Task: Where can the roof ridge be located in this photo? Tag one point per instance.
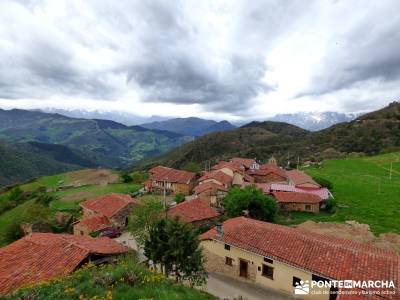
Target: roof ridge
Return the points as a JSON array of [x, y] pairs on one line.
[[304, 234]]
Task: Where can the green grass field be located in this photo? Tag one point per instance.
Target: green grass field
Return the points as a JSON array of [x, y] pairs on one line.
[[364, 192], [65, 200]]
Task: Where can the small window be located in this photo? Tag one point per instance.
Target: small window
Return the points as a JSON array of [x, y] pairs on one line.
[[308, 207], [268, 272], [296, 281], [228, 261], [227, 247], [268, 260]]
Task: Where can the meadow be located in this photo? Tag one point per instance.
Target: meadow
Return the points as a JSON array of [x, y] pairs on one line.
[[87, 185], [364, 190]]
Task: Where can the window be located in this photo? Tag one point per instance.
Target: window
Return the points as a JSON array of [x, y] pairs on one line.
[[227, 247], [268, 272], [228, 261], [308, 207], [268, 260], [319, 278], [296, 281]]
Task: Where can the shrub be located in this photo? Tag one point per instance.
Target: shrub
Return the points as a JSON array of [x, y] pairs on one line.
[[126, 178], [331, 205], [179, 198], [324, 182]]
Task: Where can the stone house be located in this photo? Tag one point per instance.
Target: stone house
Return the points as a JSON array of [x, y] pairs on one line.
[[295, 201], [281, 257], [268, 173], [211, 192], [111, 210], [170, 180], [196, 212], [300, 179]]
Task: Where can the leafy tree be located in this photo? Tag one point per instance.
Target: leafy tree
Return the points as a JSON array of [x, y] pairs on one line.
[[175, 246], [179, 198], [252, 199], [323, 182], [192, 167], [139, 177], [126, 178], [144, 218]]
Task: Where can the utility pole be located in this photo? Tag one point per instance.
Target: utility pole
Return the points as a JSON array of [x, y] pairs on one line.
[[165, 200], [298, 162]]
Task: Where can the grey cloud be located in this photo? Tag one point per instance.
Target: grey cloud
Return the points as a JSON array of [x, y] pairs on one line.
[[369, 51]]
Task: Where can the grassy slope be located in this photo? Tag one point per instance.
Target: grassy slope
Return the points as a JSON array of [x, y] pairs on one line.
[[31, 212], [109, 282], [24, 213], [363, 191]]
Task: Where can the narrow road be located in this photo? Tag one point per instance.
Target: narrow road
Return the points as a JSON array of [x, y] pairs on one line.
[[226, 287]]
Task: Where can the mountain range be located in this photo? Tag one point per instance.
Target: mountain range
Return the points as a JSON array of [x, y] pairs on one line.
[[314, 121], [85, 142], [190, 126], [372, 133]]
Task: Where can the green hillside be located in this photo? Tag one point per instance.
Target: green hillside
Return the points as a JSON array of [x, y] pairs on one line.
[[363, 190], [371, 134], [108, 143], [22, 161], [66, 190]]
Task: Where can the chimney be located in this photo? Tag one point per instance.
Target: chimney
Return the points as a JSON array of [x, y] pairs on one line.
[[220, 229]]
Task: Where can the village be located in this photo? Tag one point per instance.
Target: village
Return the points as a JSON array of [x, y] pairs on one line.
[[243, 248]]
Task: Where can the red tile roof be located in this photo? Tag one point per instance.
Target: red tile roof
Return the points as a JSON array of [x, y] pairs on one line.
[[43, 256], [219, 176], [321, 192], [108, 205], [229, 165], [323, 255], [265, 187], [161, 173], [296, 197], [209, 186], [95, 223], [299, 178], [247, 162], [193, 210], [267, 169]]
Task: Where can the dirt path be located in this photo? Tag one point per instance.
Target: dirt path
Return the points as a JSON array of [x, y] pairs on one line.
[[354, 231]]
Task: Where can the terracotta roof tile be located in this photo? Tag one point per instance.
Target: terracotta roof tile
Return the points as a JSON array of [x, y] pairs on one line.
[[43, 256], [321, 192], [161, 173], [193, 210], [108, 205], [299, 177], [323, 255], [296, 197], [209, 186], [219, 176], [95, 223], [247, 162]]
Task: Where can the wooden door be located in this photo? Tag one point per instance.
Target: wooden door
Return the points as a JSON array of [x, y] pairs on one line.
[[244, 266]]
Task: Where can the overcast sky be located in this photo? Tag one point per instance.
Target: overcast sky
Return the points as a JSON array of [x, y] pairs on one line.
[[215, 59]]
